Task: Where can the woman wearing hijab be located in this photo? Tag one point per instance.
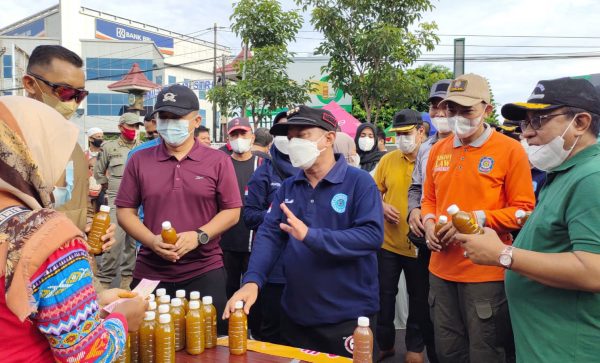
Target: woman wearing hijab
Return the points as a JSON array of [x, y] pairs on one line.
[[48, 306], [344, 145], [366, 141]]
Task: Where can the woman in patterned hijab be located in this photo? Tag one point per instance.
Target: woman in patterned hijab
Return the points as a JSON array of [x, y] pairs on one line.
[[48, 307]]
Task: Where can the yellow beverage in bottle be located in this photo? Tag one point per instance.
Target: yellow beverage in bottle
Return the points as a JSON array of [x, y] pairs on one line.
[[210, 322], [164, 340], [100, 224], [168, 234], [238, 330], [464, 222], [194, 329], [146, 346], [180, 294], [178, 316]]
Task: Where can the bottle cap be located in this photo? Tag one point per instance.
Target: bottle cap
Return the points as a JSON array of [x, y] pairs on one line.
[[161, 292], [105, 209], [207, 300], [166, 225], [176, 302], [152, 306], [163, 309], [194, 304], [150, 315], [151, 297], [239, 304], [363, 321], [165, 299], [180, 294], [520, 214], [195, 295], [164, 318], [443, 220], [453, 209]]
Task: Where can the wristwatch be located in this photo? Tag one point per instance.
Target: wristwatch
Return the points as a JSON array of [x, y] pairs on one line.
[[203, 238], [505, 257]]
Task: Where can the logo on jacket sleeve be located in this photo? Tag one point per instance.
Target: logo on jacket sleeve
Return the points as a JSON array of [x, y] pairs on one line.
[[338, 202], [486, 164]]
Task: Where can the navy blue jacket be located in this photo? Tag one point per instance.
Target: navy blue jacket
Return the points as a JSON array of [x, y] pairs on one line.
[[331, 276], [263, 185]]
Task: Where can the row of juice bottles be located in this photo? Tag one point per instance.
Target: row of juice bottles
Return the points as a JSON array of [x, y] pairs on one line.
[[176, 324], [101, 222]]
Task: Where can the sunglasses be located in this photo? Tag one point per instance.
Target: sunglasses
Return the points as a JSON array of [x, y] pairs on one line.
[[62, 91]]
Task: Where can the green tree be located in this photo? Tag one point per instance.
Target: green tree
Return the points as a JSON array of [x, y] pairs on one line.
[[410, 89], [369, 41], [263, 85], [492, 119]]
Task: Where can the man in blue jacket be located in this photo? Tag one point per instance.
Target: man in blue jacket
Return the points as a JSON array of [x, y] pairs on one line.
[[327, 221], [262, 187]]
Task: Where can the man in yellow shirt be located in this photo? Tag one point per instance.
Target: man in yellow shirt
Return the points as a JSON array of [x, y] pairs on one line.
[[393, 176]]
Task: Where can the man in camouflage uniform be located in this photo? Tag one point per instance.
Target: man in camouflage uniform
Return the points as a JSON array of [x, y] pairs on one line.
[[108, 172]]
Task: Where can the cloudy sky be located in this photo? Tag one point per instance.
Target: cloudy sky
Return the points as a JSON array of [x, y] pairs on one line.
[[557, 27]]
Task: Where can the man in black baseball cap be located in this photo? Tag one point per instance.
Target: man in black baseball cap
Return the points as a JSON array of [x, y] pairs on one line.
[[327, 224], [176, 99], [551, 264]]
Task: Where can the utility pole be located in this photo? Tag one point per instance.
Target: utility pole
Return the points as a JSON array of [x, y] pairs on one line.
[[215, 121]]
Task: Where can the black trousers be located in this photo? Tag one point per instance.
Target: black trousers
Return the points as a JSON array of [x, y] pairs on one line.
[[419, 329], [270, 301], [326, 338], [211, 283]]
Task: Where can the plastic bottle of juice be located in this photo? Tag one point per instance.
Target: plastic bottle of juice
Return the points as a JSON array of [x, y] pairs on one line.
[[160, 292], [522, 216], [194, 329], [165, 299], [180, 294], [134, 346], [147, 329], [100, 224], [168, 234], [152, 306], [163, 309], [363, 342], [151, 297], [238, 330], [210, 322], [464, 222], [442, 221], [126, 355], [178, 316], [164, 340], [195, 295]]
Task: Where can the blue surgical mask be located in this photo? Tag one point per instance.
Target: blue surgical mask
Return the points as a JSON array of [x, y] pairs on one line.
[[62, 195], [173, 131]]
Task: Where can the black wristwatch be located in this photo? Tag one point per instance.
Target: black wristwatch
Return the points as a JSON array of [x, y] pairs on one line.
[[203, 238]]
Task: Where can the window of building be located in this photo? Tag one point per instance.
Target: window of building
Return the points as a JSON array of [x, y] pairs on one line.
[[7, 66], [110, 104], [113, 69], [159, 80], [172, 80]]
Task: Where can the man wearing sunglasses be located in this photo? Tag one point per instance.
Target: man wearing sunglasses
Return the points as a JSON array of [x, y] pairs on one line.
[[55, 77], [553, 268]]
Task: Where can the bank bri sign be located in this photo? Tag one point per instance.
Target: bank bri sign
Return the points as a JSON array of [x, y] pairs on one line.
[[112, 31]]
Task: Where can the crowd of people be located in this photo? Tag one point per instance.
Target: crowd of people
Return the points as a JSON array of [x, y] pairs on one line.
[[310, 227]]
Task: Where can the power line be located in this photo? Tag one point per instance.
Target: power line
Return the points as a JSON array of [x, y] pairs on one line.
[[519, 36]]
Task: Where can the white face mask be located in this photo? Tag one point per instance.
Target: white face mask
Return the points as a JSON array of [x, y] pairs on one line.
[[464, 127], [354, 160], [281, 143], [548, 156], [303, 153], [240, 145], [366, 143], [173, 131], [407, 143], [441, 124]]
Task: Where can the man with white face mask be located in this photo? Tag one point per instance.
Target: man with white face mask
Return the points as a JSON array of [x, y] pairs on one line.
[[398, 254], [487, 175], [189, 185], [552, 269], [327, 224]]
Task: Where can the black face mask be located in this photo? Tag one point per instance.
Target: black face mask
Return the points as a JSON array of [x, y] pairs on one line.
[[97, 142]]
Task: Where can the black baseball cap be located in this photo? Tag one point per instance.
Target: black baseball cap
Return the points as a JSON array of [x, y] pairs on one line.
[[306, 116], [439, 89], [176, 99], [553, 94], [406, 120]]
